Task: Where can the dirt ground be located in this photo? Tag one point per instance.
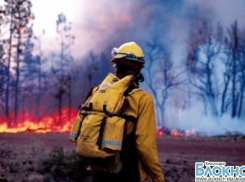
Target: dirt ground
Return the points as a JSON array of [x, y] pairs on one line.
[[177, 154]]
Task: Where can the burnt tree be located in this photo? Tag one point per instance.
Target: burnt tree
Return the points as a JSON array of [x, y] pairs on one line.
[[160, 75], [235, 48], [204, 50], [18, 14], [64, 74]]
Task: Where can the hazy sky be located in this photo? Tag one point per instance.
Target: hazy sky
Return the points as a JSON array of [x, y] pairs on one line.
[[95, 23]]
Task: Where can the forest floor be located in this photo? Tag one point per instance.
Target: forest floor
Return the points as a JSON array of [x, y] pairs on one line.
[[31, 157]]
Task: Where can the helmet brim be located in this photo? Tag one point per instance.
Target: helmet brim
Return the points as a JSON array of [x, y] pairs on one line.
[[118, 56]]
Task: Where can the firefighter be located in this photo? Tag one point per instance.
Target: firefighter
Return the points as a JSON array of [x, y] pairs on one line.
[[139, 153]]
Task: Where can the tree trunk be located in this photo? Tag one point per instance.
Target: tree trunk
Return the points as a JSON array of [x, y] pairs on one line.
[[8, 68], [234, 72], [213, 106], [234, 104], [223, 109], [164, 99], [59, 97], [7, 88], [210, 95], [158, 115], [241, 97], [205, 105], [62, 80], [59, 109], [69, 96], [162, 116], [16, 104], [39, 89], [23, 107]]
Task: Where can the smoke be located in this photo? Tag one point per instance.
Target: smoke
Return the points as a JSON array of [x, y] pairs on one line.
[[225, 12], [207, 125], [101, 25]]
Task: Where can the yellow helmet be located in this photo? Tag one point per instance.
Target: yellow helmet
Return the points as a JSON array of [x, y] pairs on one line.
[[129, 51]]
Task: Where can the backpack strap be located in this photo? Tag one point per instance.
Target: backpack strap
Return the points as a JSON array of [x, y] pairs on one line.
[[100, 137], [123, 114], [90, 107], [89, 94], [131, 87]]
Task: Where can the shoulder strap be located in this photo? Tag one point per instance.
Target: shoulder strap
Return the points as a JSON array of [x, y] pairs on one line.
[[89, 94], [131, 87]]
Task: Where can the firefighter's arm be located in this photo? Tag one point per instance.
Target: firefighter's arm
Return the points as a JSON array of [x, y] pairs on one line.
[[146, 139]]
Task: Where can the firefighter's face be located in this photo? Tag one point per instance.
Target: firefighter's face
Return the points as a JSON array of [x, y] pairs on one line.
[[121, 69], [118, 70]]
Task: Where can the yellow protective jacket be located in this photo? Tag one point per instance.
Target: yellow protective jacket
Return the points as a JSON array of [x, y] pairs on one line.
[[141, 106]]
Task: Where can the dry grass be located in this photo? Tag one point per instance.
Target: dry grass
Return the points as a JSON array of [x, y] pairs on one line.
[[51, 157]]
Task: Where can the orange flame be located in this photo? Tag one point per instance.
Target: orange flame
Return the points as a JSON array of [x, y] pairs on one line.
[[175, 132], [161, 131], [47, 124]]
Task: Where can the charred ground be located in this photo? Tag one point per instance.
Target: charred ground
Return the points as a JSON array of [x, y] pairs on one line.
[[48, 157]]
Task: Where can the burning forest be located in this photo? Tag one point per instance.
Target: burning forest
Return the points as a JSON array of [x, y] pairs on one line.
[[197, 81], [55, 123]]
